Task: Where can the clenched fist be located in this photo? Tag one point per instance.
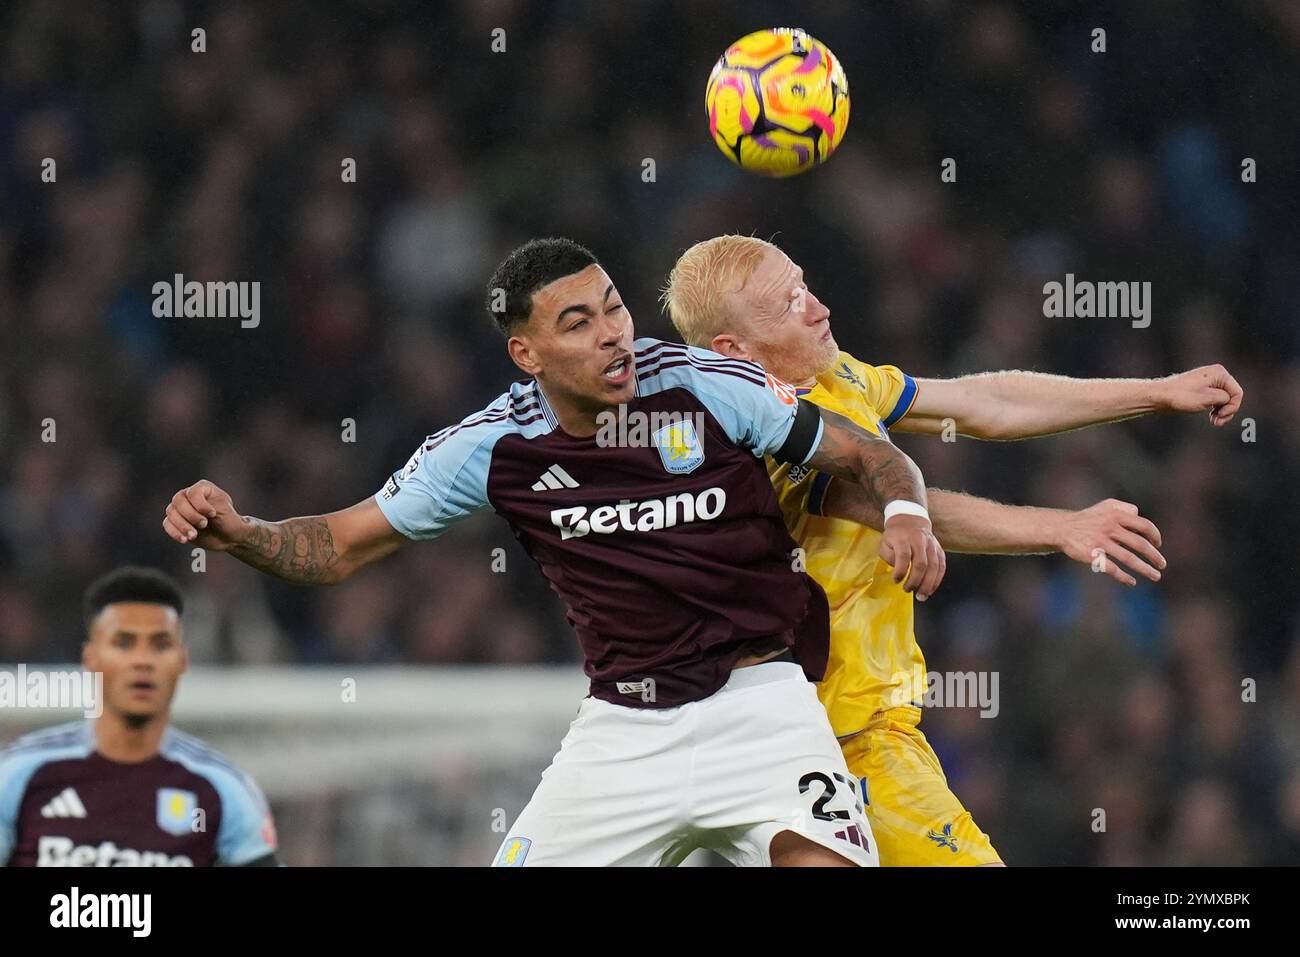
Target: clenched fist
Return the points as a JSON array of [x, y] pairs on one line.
[[203, 514], [908, 540], [1209, 389]]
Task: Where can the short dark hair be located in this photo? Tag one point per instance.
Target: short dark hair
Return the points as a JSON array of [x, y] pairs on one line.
[[537, 263], [131, 583]]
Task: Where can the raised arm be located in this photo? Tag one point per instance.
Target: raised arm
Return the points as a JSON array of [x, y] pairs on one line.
[[964, 523], [310, 550], [882, 474], [1021, 405]]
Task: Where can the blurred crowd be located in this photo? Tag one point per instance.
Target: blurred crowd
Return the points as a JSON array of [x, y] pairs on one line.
[[1122, 165]]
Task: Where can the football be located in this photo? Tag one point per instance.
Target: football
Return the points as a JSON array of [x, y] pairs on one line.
[[778, 102]]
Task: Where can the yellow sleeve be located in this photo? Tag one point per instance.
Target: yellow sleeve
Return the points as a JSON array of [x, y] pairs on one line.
[[888, 390], [799, 488]]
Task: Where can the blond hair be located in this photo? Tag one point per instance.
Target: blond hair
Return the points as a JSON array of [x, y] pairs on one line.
[[695, 296]]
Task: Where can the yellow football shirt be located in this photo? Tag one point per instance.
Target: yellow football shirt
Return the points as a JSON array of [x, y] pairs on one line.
[[875, 662]]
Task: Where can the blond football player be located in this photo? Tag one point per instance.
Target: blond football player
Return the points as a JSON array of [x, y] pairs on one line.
[[744, 298]]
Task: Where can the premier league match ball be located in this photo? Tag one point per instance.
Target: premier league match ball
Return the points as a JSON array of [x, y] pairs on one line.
[[778, 102]]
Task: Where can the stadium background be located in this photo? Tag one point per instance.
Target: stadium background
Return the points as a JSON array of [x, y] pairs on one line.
[[225, 165]]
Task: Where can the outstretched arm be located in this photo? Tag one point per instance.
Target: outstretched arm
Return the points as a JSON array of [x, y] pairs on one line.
[[310, 550], [1111, 530], [1021, 405]]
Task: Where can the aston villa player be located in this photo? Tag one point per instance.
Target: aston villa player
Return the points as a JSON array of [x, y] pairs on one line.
[[700, 630], [127, 789]]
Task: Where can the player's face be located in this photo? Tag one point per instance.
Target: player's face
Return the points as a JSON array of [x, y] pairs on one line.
[[578, 342], [137, 646], [784, 326]]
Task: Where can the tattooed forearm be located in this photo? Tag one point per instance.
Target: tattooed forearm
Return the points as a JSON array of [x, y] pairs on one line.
[[891, 475], [849, 452], [299, 550]]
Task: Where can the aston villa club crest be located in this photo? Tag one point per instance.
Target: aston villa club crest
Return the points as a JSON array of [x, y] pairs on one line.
[[679, 447], [513, 853], [176, 810]]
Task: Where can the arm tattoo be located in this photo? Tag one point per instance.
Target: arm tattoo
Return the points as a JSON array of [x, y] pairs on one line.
[[299, 550], [850, 452]]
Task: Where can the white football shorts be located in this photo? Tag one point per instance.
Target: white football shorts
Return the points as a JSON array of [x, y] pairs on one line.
[[639, 787]]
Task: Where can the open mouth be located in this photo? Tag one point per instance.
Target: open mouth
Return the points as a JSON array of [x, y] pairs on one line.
[[142, 687], [619, 370]]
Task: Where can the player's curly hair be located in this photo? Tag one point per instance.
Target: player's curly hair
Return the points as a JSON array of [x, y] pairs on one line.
[[131, 583], [535, 264], [696, 293]]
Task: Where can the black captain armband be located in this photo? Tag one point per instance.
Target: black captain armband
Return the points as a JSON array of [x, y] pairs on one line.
[[803, 435]]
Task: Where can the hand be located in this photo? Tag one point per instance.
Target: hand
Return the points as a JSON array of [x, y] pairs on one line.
[[1113, 529], [203, 514], [1207, 389], [908, 540]]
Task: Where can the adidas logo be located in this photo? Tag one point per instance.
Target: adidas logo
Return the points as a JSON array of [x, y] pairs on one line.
[[553, 478], [855, 837], [66, 804]]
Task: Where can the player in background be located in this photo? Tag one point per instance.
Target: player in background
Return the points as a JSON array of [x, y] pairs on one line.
[[127, 789], [700, 635], [744, 298]]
